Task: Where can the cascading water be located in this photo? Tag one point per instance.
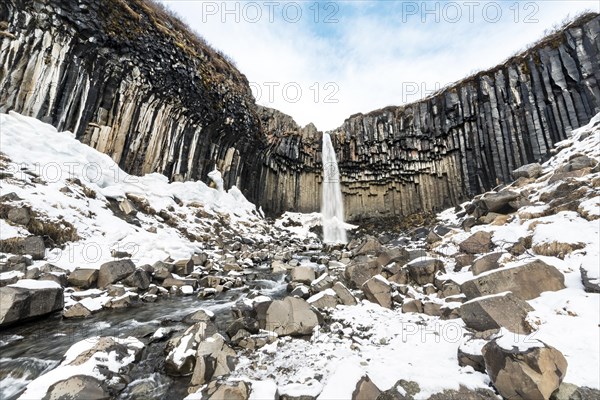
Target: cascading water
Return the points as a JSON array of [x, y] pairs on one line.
[[332, 203]]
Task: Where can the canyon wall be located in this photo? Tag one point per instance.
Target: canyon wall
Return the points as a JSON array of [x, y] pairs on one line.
[[463, 140], [133, 82]]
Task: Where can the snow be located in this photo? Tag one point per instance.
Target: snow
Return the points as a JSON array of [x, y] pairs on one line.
[[94, 304], [58, 156], [8, 231], [318, 296], [263, 390], [33, 284], [489, 296], [511, 341]]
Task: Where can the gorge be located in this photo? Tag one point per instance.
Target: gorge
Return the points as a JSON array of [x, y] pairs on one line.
[[132, 82]]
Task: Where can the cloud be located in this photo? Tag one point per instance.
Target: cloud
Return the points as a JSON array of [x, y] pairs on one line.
[[334, 59]]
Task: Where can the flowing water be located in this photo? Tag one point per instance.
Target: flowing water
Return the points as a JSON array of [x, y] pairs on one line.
[[332, 202], [32, 349]]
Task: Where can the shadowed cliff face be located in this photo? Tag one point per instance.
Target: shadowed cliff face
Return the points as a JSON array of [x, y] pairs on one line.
[[127, 80], [131, 82], [464, 140]]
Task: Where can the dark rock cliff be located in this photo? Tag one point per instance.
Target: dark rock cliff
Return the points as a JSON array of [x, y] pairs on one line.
[[463, 140], [132, 82]]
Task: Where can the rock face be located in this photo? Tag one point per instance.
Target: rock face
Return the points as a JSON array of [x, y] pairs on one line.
[[130, 81], [530, 374], [526, 282], [20, 303]]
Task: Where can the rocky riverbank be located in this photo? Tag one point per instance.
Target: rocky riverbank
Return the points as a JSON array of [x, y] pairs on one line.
[[474, 305]]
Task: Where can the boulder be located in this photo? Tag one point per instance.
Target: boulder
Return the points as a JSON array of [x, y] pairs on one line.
[[31, 245], [290, 316], [523, 372], [83, 278], [77, 310], [499, 202], [423, 271], [478, 243], [370, 246], [534, 170], [390, 255], [303, 274], [344, 294], [27, 299], [591, 285], [526, 282], [184, 267], [568, 391], [114, 271], [358, 273], [503, 310], [139, 279], [402, 390], [78, 387], [469, 354], [432, 309], [378, 290], [214, 358], [19, 215], [365, 389], [323, 282], [181, 350], [248, 324], [411, 305], [234, 390], [324, 299], [464, 393], [486, 263]]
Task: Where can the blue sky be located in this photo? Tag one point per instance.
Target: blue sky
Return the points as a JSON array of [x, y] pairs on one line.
[[322, 61]]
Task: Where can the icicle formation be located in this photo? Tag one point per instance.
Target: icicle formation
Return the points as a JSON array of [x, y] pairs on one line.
[[332, 203]]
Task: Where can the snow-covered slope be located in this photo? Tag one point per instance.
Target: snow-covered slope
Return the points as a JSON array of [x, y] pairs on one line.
[[64, 180]]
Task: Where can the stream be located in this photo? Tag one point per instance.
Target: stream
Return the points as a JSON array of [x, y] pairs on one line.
[[32, 349]]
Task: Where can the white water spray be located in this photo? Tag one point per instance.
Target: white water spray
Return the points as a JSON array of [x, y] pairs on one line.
[[332, 203]]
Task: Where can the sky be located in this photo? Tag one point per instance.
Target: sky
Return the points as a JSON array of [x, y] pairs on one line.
[[322, 61]]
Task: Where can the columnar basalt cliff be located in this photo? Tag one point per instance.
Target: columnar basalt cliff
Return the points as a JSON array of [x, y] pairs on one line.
[[131, 81], [463, 140]]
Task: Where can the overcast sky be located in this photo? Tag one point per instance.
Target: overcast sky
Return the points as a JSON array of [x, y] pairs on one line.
[[323, 61]]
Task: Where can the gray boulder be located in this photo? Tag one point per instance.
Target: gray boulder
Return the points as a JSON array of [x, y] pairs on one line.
[[423, 271], [29, 299], [290, 316], [83, 278], [526, 282], [497, 311], [378, 290], [214, 358], [114, 271]]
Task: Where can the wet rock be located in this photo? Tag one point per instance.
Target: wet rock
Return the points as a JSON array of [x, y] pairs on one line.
[[485, 263], [365, 389], [378, 290], [114, 271], [526, 282], [533, 170], [29, 299], [77, 310], [214, 358], [290, 316], [524, 372], [78, 387], [424, 271], [346, 297], [83, 278], [31, 245], [324, 299], [478, 243], [497, 311]]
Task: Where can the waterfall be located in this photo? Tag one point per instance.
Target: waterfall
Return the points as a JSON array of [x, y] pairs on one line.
[[332, 203]]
